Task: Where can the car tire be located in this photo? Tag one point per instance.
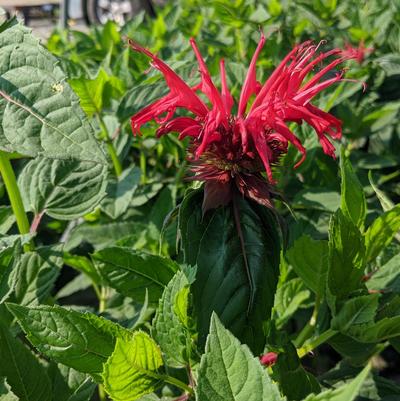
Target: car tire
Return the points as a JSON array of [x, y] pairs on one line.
[[99, 11]]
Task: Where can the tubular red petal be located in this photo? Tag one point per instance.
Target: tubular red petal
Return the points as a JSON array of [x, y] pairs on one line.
[[250, 83], [207, 85], [277, 72], [178, 124], [183, 94], [227, 98]]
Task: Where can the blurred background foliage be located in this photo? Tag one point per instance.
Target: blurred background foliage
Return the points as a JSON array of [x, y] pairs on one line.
[[230, 30]]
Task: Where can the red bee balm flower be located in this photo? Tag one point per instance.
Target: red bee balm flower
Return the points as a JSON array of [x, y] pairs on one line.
[[231, 150]]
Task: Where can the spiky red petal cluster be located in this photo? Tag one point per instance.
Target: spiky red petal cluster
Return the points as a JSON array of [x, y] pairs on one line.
[[235, 148]]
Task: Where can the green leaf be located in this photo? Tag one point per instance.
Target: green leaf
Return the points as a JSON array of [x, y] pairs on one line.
[[36, 274], [309, 259], [353, 203], [131, 370], [382, 330], [83, 265], [99, 235], [138, 97], [317, 199], [7, 219], [387, 278], [294, 381], [90, 92], [78, 283], [80, 341], [229, 372], [346, 256], [289, 297], [69, 384], [40, 112], [63, 189], [169, 330], [5, 390], [191, 225], [238, 259], [120, 192], [390, 63], [384, 200], [9, 259], [356, 311], [25, 375], [381, 232], [347, 392], [131, 272]]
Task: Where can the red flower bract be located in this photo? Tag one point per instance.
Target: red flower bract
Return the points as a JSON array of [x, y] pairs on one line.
[[231, 150]]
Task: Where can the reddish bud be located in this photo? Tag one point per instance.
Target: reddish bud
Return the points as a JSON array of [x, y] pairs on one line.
[[269, 358]]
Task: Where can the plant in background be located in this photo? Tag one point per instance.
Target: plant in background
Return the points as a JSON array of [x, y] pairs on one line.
[[252, 302]]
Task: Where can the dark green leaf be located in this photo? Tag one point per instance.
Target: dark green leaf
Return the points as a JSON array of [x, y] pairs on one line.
[[70, 385], [131, 272], [25, 375], [238, 259], [294, 381]]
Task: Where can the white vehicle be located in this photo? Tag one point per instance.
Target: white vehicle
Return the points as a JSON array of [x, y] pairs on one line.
[[93, 11]]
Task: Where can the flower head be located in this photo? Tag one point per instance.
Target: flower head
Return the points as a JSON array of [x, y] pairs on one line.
[[229, 150]]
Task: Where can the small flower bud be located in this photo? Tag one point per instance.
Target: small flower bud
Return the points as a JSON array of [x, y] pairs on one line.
[[269, 358]]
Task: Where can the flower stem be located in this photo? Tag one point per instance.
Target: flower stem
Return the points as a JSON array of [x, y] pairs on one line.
[[14, 195], [309, 328], [102, 294], [314, 343], [110, 147], [177, 383]]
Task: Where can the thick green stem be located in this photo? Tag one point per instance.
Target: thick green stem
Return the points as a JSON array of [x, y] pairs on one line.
[[316, 342], [103, 299], [102, 307], [309, 328], [110, 147], [176, 382], [14, 195]]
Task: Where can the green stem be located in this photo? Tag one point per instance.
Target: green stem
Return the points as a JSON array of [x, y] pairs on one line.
[[143, 166], [309, 328], [14, 195], [103, 299], [176, 382], [110, 147], [102, 307], [312, 344], [102, 393]]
